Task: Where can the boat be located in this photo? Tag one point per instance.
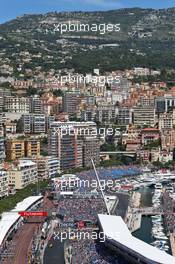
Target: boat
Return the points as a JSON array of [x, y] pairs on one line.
[[158, 186]]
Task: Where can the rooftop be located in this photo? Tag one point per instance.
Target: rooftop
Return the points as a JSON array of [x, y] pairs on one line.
[[115, 228], [9, 218]]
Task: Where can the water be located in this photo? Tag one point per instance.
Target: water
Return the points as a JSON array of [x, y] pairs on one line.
[[144, 233], [146, 199]]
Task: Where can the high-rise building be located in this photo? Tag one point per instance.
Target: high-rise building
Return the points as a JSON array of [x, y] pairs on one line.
[[64, 148], [36, 105], [66, 141], [91, 150], [70, 103]]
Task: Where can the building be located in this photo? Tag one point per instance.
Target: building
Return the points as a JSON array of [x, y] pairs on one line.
[[36, 105], [64, 148], [144, 116], [91, 150], [23, 173], [133, 145], [164, 104], [124, 116], [70, 103], [88, 114], [2, 149], [20, 148], [149, 135], [161, 155], [146, 101], [66, 142], [48, 167], [35, 123], [11, 221], [167, 120], [119, 239], [4, 178], [17, 104], [168, 139], [15, 149], [32, 147], [105, 113]]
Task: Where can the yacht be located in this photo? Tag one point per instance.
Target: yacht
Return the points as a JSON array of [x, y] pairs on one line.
[[170, 188], [158, 186]]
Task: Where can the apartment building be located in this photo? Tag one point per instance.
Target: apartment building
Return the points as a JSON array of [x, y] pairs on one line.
[[105, 113], [91, 150], [4, 178], [23, 173], [66, 141], [64, 148], [70, 103], [144, 115], [164, 104], [2, 149], [168, 139], [48, 167], [124, 116], [167, 120], [32, 148], [20, 148], [15, 149], [35, 123], [17, 104], [36, 105]]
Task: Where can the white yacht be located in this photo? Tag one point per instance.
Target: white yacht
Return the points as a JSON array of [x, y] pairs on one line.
[[158, 186]]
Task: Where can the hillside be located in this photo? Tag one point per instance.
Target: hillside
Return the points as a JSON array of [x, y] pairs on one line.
[[146, 38]]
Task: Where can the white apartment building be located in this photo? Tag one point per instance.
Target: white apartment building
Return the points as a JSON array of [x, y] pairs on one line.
[[3, 183], [2, 149], [48, 167], [167, 120], [23, 173]]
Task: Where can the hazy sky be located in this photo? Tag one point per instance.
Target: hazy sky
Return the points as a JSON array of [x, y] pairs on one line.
[[9, 9]]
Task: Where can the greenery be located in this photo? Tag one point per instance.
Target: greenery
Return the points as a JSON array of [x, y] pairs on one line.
[[31, 91], [148, 45], [153, 144], [108, 147], [58, 93], [10, 202]]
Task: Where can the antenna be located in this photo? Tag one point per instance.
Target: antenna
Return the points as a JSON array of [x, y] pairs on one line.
[[100, 186]]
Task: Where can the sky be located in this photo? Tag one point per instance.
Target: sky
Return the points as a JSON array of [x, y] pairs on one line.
[[9, 9]]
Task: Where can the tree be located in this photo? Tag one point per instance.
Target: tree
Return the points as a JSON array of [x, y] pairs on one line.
[[31, 91], [58, 93]]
